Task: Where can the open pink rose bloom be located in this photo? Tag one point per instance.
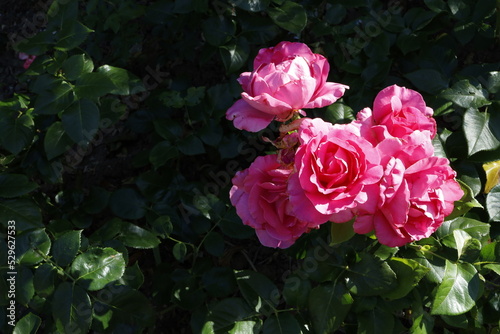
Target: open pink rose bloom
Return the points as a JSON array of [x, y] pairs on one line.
[[286, 79], [379, 171]]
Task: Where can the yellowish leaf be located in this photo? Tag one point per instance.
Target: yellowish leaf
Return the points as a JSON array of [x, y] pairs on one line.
[[492, 170]]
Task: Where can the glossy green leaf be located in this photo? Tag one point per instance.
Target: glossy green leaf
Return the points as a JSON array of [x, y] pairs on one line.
[[71, 34], [77, 65], [408, 273], [493, 203], [137, 237], [32, 246], [81, 121], [124, 81], [66, 247], [339, 113], [458, 291], [428, 80], [234, 56], [56, 141], [54, 99], [466, 203], [476, 229], [17, 131], [328, 307], [24, 285], [28, 324], [24, 212], [97, 267], [290, 16], [127, 203], [258, 290], [465, 95], [93, 85], [371, 276], [468, 248], [478, 131], [71, 308], [14, 185], [226, 314]]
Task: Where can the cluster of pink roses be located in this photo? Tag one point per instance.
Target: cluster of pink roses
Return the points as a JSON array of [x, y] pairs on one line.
[[379, 170]]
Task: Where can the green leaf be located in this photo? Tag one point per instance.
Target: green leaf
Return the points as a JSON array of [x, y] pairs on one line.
[[127, 306], [258, 290], [478, 131], [136, 237], [28, 324], [161, 153], [179, 251], [97, 200], [375, 321], [24, 212], [219, 281], [281, 323], [81, 121], [340, 232], [476, 229], [466, 203], [93, 85], [14, 185], [458, 291], [54, 98], [43, 281], [56, 141], [71, 309], [408, 274], [371, 276], [77, 65], [191, 145], [328, 307], [428, 80], [339, 113], [97, 267], [226, 314], [218, 30], [296, 291], [124, 81], [17, 131], [127, 203], [493, 266], [234, 56], [71, 35], [66, 247], [493, 203], [465, 95], [31, 246], [24, 286], [468, 248], [290, 16]]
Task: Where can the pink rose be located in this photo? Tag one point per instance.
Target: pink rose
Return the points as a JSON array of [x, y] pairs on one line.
[[28, 59], [401, 110], [285, 79], [335, 170], [417, 192], [261, 200]]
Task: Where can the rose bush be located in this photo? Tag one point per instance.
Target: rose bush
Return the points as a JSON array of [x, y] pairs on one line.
[[260, 196], [286, 78]]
